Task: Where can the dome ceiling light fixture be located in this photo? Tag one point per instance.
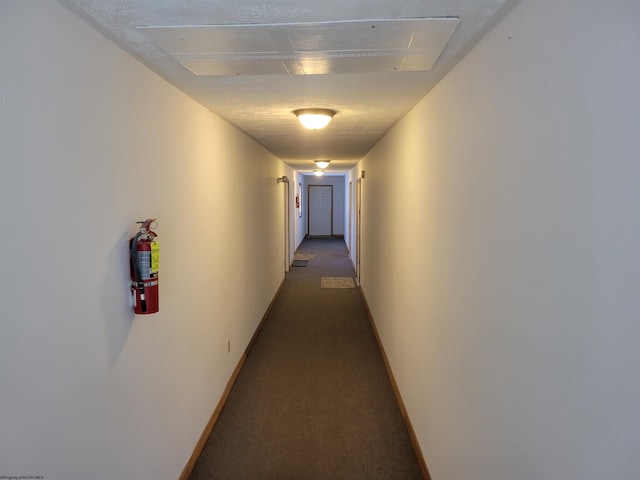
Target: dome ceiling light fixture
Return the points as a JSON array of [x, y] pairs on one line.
[[322, 163], [318, 173], [314, 118]]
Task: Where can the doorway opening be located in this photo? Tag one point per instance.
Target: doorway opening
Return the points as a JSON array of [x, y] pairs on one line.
[[320, 211]]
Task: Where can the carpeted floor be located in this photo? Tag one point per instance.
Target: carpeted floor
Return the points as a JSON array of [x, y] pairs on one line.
[[313, 400]]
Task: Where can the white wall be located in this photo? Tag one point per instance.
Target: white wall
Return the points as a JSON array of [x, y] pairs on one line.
[[90, 142], [501, 250]]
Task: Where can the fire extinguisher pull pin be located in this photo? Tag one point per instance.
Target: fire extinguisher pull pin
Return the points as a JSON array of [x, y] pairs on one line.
[[146, 226]]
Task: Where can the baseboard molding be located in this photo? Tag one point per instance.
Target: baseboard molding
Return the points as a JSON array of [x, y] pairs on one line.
[[188, 469], [403, 410]]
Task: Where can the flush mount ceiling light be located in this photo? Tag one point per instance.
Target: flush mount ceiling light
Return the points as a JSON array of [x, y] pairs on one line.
[[314, 118], [318, 173], [322, 163]]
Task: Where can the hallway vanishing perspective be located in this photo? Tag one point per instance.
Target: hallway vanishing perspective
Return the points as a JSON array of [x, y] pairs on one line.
[[313, 399]]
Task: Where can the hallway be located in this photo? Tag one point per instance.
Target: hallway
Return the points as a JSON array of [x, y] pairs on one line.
[[313, 399], [496, 227]]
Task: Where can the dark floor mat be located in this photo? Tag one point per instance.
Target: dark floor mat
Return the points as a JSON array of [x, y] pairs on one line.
[[300, 263]]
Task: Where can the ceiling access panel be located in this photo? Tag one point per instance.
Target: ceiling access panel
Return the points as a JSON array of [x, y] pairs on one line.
[[366, 46]]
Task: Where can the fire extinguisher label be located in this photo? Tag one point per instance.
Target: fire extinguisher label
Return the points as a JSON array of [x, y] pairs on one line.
[[155, 258], [144, 261]]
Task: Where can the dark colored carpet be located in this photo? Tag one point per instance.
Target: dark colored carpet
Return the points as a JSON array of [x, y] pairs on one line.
[[313, 400]]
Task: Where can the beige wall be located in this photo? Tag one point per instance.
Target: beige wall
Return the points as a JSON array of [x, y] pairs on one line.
[[500, 250], [90, 142]]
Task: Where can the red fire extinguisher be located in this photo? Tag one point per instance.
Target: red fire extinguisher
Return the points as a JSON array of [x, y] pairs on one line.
[[144, 260]]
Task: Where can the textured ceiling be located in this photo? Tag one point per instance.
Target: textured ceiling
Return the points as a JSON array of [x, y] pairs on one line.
[[253, 62]]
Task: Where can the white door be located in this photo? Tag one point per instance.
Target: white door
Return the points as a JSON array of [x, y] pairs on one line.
[[320, 210]]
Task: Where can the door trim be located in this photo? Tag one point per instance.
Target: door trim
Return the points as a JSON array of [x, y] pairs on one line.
[[309, 208], [358, 227], [287, 228]]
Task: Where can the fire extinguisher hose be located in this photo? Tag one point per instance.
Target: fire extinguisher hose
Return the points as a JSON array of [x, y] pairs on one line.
[[138, 272]]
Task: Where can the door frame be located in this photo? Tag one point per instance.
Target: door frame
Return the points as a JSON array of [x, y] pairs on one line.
[[287, 228], [349, 239], [358, 227], [286, 221], [309, 207]]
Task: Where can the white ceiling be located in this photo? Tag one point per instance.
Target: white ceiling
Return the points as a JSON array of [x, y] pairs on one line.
[[253, 62]]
